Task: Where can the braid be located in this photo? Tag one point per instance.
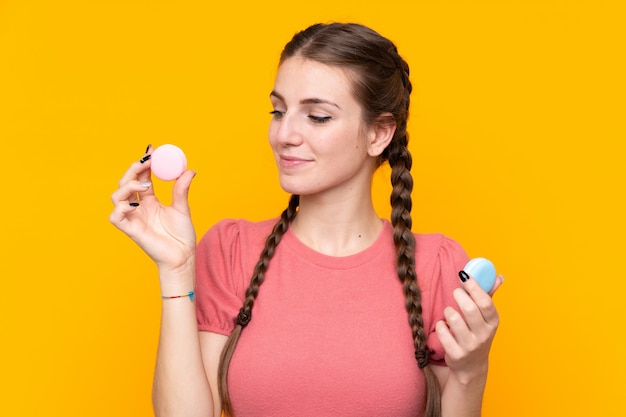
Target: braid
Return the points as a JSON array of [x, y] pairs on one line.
[[400, 161], [245, 313]]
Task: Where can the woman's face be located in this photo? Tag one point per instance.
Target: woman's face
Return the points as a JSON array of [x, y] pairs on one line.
[[319, 139]]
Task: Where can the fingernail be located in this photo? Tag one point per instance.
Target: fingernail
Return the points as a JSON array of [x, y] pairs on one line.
[[464, 276], [145, 184], [501, 277], [134, 204], [145, 158], [194, 174], [148, 148]]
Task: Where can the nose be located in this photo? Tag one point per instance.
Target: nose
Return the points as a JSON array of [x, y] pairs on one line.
[[285, 130]]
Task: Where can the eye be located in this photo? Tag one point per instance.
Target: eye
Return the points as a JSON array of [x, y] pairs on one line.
[[277, 115], [319, 119]]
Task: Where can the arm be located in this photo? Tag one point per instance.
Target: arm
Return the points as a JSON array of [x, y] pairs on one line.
[[166, 234], [181, 386], [211, 345], [466, 337]]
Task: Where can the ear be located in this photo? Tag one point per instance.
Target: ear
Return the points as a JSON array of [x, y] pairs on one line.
[[381, 133]]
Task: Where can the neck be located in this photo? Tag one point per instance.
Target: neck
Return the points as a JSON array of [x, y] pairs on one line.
[[341, 227]]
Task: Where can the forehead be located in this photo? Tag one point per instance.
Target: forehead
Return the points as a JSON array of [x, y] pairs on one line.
[[300, 78]]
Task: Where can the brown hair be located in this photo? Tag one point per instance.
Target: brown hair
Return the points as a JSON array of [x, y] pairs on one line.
[[381, 85]]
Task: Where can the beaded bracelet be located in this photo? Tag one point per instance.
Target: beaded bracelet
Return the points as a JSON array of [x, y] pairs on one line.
[[191, 294]]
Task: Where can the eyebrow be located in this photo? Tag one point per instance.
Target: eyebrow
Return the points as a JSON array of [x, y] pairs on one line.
[[313, 100]]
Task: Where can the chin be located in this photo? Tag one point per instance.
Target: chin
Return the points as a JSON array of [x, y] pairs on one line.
[[292, 187]]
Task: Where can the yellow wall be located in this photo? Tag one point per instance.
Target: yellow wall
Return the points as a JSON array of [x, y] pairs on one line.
[[518, 139]]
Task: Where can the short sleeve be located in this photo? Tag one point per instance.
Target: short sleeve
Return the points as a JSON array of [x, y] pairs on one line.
[[219, 289], [451, 258]]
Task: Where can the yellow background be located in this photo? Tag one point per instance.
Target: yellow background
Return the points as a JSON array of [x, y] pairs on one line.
[[517, 135]]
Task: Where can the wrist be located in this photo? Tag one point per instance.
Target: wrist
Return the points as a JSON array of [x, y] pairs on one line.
[[178, 280], [189, 294], [475, 378]]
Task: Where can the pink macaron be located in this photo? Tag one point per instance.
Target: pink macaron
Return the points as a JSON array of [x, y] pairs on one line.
[[168, 162]]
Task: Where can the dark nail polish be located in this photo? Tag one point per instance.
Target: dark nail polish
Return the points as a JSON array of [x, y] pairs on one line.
[[145, 158], [464, 276], [148, 148], [134, 204]]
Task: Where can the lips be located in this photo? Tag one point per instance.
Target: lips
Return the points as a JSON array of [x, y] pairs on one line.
[[287, 161]]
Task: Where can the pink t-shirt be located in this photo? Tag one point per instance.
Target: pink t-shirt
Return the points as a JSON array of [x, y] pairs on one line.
[[329, 336]]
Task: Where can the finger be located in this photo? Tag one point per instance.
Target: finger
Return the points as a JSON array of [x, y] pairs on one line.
[[475, 298], [447, 339], [458, 326], [145, 173], [180, 192], [127, 193], [499, 281], [119, 215], [139, 170], [472, 313]]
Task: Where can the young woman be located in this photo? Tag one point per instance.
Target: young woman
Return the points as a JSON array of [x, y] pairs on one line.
[[328, 310]]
